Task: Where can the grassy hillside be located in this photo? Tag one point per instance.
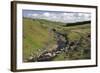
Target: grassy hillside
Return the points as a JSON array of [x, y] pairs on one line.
[[38, 37]]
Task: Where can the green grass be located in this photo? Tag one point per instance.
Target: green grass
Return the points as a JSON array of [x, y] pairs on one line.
[[34, 37], [37, 36]]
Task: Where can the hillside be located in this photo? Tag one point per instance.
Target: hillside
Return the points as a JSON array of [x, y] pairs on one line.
[[38, 36]]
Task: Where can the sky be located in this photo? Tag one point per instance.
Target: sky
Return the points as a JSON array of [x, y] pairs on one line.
[[58, 16]]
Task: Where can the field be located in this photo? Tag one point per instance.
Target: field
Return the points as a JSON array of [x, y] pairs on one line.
[[45, 40]]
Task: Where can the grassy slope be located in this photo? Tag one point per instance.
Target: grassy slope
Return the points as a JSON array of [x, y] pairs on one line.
[[75, 33], [36, 35]]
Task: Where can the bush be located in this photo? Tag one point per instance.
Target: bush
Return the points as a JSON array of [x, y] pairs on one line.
[[78, 23]]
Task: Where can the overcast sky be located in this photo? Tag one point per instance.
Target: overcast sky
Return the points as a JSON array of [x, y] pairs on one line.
[[58, 16]]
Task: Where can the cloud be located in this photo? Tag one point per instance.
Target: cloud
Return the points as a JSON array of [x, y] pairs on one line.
[[66, 17], [35, 15], [87, 15], [32, 15], [65, 14], [29, 15], [80, 14], [46, 14]]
